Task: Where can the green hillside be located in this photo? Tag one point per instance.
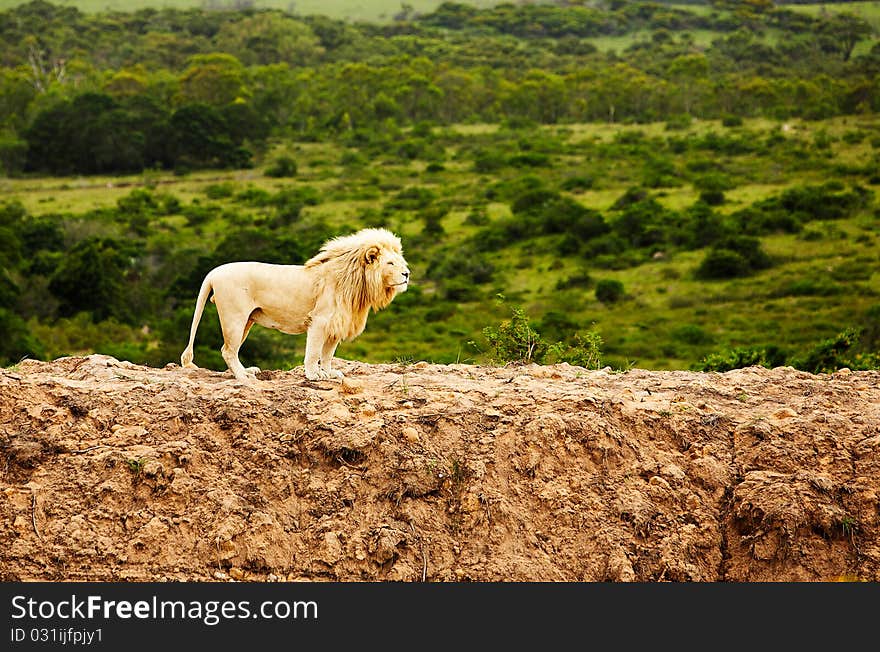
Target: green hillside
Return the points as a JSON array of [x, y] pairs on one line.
[[349, 10], [694, 201]]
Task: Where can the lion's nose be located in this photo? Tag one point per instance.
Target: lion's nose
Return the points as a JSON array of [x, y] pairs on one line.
[[406, 274]]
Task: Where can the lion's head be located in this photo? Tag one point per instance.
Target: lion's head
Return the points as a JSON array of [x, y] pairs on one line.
[[367, 267]]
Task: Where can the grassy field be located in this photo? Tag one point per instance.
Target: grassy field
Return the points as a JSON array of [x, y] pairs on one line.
[[385, 10], [868, 11], [350, 10], [824, 278]]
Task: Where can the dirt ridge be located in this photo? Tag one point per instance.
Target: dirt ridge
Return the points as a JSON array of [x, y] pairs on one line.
[[423, 472]]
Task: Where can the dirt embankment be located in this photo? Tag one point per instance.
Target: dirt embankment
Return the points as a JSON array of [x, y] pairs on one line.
[[111, 471]]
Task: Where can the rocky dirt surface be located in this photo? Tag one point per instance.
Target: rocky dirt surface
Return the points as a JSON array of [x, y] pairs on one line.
[[420, 472]]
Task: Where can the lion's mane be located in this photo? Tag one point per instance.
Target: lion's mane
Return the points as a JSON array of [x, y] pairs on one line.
[[345, 263]]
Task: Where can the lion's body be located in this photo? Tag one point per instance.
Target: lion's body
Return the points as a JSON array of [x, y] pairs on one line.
[[329, 298]]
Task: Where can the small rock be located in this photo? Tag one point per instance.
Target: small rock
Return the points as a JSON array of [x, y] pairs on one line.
[[411, 434], [153, 468], [368, 410], [351, 386], [785, 413], [332, 548], [674, 472], [657, 481], [236, 574], [421, 364], [220, 575]]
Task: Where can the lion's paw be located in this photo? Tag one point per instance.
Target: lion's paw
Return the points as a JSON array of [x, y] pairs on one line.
[[334, 373], [317, 374], [252, 371]]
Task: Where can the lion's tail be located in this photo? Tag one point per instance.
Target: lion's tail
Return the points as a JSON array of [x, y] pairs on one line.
[[186, 358]]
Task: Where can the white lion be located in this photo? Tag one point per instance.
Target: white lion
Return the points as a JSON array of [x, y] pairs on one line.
[[328, 298]]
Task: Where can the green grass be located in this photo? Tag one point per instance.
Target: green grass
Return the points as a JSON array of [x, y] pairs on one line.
[[701, 38], [349, 10], [868, 11]]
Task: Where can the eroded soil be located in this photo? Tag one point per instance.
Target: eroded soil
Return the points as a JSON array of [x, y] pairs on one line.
[[111, 471]]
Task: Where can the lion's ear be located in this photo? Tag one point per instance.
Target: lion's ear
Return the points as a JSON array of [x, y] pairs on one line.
[[371, 255]]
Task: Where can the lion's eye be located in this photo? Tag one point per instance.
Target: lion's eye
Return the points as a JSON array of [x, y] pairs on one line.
[[390, 262]]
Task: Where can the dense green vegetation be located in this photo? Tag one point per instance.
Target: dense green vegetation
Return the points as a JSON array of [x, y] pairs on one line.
[[678, 203]]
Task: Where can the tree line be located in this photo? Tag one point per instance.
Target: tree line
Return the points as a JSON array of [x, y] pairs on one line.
[[167, 88]]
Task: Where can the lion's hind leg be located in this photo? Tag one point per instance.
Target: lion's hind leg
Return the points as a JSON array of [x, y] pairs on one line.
[[252, 371], [235, 325]]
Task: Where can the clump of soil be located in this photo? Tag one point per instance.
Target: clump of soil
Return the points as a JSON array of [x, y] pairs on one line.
[[419, 472]]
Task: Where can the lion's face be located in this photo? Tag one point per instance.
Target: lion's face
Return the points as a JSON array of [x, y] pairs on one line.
[[394, 270]]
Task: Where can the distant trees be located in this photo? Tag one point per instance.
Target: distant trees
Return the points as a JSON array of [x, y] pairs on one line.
[[93, 278], [93, 133], [841, 32], [265, 38], [188, 88]]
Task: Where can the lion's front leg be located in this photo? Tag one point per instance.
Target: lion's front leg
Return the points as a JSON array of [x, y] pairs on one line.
[[315, 338], [327, 352]]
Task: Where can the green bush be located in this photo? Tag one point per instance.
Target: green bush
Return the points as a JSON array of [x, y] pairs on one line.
[[459, 290], [732, 257], [477, 217], [692, 334], [678, 122], [533, 201], [462, 262], [412, 198], [740, 357], [732, 121], [254, 197], [586, 351], [219, 190], [557, 325], [93, 277], [138, 202], [16, 339], [721, 264], [514, 340], [577, 183], [13, 155], [828, 201], [645, 223], [609, 290], [41, 233], [846, 349], [581, 279], [489, 160], [283, 166], [702, 226], [712, 197]]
